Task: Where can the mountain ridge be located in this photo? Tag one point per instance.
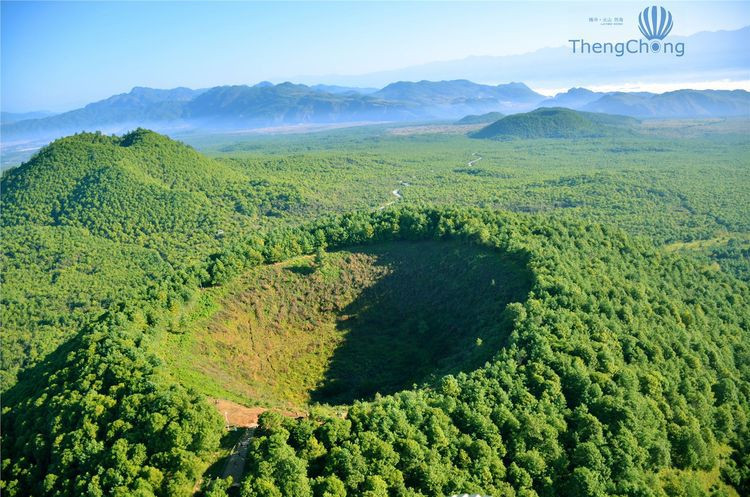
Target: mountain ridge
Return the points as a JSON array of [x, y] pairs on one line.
[[241, 107], [675, 104]]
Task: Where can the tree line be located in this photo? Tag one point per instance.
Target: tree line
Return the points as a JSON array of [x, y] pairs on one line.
[[626, 374]]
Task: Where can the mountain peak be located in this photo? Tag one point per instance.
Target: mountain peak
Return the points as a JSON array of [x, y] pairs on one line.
[[577, 91], [515, 84]]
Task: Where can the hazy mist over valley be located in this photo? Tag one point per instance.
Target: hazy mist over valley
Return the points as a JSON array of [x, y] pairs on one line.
[[268, 108]]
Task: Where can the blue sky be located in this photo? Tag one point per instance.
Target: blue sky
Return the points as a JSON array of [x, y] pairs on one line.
[[58, 56]]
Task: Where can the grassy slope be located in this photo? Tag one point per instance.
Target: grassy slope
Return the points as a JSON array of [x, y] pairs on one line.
[[380, 318]]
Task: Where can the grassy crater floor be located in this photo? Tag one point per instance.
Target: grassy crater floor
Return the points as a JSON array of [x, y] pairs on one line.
[[372, 319]]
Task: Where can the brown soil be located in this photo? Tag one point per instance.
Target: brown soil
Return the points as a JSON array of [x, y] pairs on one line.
[[245, 417]]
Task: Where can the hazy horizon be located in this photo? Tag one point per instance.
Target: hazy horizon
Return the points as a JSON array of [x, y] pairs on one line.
[[549, 92], [58, 56]]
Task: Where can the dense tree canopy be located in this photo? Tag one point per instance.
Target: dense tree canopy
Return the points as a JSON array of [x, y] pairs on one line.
[[625, 367], [93, 219], [141, 187], [626, 372], [96, 419]]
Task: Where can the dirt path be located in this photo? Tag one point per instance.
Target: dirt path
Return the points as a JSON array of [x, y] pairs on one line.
[[246, 419], [397, 193], [236, 462], [472, 162]]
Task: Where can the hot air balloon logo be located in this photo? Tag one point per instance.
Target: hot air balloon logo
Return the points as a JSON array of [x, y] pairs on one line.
[[655, 24]]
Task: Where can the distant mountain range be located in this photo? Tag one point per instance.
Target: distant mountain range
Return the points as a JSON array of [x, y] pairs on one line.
[[682, 103], [343, 89], [449, 98], [575, 98], [141, 105], [673, 104], [12, 117], [241, 107], [231, 108], [265, 104], [708, 56]]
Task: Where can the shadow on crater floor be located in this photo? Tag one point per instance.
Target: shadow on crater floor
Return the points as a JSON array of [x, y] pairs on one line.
[[439, 309]]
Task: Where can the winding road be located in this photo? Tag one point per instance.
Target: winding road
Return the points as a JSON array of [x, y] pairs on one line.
[[472, 162], [397, 193]]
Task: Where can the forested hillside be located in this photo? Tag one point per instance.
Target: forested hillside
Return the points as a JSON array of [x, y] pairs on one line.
[[529, 347], [132, 187], [625, 374], [556, 122], [96, 418], [93, 219]]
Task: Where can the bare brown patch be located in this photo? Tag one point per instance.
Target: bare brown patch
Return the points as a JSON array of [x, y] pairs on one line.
[[245, 417]]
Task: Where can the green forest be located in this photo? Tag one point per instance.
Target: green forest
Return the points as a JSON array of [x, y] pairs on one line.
[[523, 317]]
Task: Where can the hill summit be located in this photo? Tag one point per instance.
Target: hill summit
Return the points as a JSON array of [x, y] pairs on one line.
[[125, 188], [555, 122]]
